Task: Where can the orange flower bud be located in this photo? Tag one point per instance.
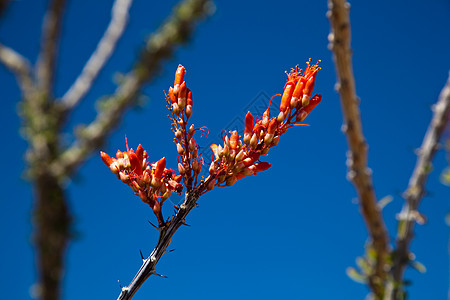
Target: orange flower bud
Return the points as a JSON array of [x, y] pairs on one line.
[[196, 166], [272, 126], [313, 103], [135, 163], [248, 123], [212, 168], [106, 158], [182, 94], [210, 185], [239, 156], [180, 149], [192, 144], [286, 98], [176, 108], [281, 116], [178, 134], [179, 78], [298, 91], [268, 139], [119, 154], [189, 98], [254, 141], [231, 180], [160, 166], [234, 140], [140, 152], [214, 149], [181, 169], [172, 97], [258, 167]]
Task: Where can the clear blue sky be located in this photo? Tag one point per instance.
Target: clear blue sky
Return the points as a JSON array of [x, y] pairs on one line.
[[288, 233]]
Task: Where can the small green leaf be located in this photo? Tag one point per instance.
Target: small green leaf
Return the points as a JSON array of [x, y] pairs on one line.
[[355, 275], [385, 201], [363, 265], [418, 266]]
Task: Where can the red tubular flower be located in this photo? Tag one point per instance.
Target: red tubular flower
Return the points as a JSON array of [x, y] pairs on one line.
[[106, 158], [272, 126], [135, 163], [286, 98], [189, 103], [160, 166], [298, 92], [248, 128], [182, 95], [140, 152], [234, 140], [258, 167], [179, 78], [172, 97], [313, 103]]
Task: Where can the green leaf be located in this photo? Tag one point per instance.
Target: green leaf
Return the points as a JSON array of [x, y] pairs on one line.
[[418, 266], [355, 275], [385, 201]]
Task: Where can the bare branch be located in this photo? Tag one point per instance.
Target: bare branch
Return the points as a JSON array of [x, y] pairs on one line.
[[165, 235], [49, 45], [358, 173], [159, 47], [105, 48], [416, 187], [19, 66]]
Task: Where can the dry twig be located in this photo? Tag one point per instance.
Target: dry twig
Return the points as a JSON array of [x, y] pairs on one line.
[[358, 172]]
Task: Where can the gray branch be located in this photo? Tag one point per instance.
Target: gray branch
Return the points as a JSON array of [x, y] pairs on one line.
[[416, 188], [105, 48], [358, 172], [49, 45], [159, 46], [19, 66]]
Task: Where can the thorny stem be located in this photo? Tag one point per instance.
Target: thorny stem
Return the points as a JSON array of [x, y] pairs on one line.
[[416, 190], [166, 233], [358, 173]]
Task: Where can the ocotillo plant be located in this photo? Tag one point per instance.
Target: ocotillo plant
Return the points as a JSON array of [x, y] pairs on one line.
[[232, 161]]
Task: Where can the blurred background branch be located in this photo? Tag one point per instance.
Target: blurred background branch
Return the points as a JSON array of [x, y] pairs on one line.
[[358, 171], [409, 214]]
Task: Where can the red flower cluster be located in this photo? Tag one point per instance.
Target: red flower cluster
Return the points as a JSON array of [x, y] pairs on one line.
[[236, 159], [180, 104], [153, 183]]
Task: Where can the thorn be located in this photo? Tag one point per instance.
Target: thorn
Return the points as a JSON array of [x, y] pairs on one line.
[[171, 250], [153, 225], [184, 223], [160, 275], [176, 207], [142, 256]]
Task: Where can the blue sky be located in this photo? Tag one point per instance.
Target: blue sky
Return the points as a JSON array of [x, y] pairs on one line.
[[287, 233]]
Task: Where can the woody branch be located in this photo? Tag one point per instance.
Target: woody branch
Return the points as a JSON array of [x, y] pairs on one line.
[[358, 172], [416, 190]]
